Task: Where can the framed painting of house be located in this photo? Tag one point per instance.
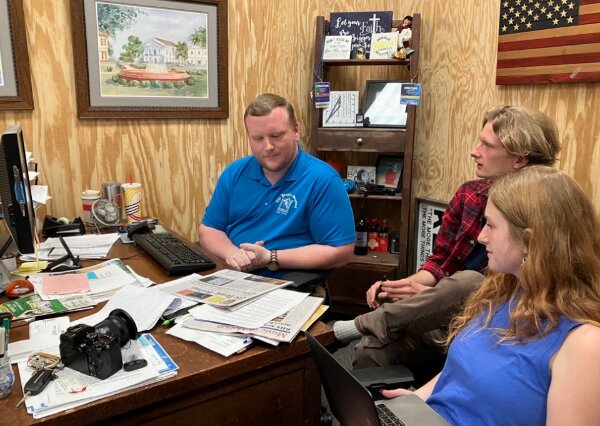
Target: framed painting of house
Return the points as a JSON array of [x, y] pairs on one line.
[[15, 75], [150, 58]]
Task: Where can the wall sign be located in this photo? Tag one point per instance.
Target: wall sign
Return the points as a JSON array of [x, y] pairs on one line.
[[360, 25]]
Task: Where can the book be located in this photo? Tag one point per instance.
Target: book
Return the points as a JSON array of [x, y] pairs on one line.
[[389, 171], [361, 174], [337, 47], [383, 45]]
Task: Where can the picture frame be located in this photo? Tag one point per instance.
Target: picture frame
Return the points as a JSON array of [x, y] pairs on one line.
[[15, 75], [134, 65], [389, 171], [382, 107], [428, 219], [361, 174]]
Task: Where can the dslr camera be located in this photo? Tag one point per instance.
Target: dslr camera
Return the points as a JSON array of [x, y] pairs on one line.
[[96, 351]]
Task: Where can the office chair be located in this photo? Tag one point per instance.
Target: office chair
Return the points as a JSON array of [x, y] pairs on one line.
[[308, 280]]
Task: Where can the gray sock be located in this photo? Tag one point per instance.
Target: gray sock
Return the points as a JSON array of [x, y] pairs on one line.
[[346, 331]]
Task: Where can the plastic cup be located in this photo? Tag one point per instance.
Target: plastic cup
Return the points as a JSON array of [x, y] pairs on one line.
[[87, 199], [132, 201]]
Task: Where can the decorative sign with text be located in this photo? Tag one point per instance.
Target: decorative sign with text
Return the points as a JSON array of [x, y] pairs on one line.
[[337, 47], [383, 45], [428, 219], [360, 25]]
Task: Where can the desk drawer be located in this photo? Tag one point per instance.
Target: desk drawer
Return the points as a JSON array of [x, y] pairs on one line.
[[361, 140]]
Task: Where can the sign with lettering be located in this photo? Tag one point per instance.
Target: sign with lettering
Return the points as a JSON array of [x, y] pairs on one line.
[[428, 219], [360, 25], [337, 47], [383, 45]]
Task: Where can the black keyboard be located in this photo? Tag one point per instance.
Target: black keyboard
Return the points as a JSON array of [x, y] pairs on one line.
[[175, 255], [386, 417]]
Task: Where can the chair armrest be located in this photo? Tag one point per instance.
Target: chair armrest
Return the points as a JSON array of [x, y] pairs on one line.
[[304, 278], [384, 377]]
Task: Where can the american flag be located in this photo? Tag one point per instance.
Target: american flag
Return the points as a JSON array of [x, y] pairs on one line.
[[548, 41]]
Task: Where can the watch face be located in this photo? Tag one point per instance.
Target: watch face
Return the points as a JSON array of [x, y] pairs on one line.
[[273, 266]]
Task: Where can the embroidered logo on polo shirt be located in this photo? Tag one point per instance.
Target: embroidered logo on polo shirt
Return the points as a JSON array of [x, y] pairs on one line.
[[285, 203]]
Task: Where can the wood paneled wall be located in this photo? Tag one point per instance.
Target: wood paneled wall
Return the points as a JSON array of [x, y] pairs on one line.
[[271, 49]]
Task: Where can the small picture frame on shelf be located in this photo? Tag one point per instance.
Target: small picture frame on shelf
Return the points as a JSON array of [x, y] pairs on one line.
[[389, 171], [361, 174], [382, 107]]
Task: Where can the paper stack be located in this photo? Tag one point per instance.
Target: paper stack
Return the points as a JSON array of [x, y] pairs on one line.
[[248, 307], [72, 388]]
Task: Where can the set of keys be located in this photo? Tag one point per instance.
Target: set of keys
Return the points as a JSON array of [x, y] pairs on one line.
[[45, 366]]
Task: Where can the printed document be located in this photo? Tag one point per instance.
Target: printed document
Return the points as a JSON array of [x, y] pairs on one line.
[[255, 314], [87, 246], [144, 305], [73, 388], [220, 343], [104, 279], [224, 288]]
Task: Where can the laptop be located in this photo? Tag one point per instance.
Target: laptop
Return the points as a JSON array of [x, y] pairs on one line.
[[351, 402]]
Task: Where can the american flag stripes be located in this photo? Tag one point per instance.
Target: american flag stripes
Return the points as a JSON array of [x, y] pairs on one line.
[[548, 41]]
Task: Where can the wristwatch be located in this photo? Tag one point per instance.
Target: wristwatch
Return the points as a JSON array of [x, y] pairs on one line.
[[273, 264]]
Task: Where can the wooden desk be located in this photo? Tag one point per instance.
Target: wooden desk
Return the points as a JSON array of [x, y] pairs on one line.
[[263, 386]]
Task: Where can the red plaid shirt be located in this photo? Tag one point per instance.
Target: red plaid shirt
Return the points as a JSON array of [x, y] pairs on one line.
[[461, 224]]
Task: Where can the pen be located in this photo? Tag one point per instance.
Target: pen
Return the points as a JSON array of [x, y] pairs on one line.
[[2, 345], [6, 335], [383, 278]]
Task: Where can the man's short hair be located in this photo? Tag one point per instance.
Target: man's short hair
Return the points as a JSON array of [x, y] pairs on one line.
[[525, 132], [266, 103]]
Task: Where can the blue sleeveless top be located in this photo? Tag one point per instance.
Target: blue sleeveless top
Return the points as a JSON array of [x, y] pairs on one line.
[[486, 383]]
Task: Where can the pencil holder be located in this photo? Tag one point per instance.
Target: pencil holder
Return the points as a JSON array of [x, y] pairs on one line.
[[7, 379]]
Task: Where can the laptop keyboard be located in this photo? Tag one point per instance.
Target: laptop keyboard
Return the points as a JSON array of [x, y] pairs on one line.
[[386, 417]]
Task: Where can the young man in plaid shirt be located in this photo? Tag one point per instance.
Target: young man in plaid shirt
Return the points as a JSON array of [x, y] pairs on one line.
[[411, 314]]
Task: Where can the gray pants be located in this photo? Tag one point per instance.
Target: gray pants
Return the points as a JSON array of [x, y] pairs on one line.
[[409, 330]]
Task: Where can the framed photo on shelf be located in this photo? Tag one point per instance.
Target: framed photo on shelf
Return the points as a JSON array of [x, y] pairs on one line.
[[361, 174], [150, 58], [382, 107], [389, 171], [15, 75], [428, 219]]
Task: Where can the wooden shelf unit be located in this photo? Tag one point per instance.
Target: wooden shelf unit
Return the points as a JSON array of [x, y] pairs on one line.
[[361, 145]]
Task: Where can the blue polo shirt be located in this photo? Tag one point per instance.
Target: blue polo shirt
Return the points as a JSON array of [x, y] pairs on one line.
[[308, 205]]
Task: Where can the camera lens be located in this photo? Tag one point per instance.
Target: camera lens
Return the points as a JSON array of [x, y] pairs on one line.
[[119, 324]]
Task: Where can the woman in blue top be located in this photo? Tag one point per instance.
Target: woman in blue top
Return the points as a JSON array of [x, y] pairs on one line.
[[526, 348]]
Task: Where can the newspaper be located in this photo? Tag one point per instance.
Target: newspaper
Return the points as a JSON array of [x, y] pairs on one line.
[[281, 329], [224, 288], [72, 388]]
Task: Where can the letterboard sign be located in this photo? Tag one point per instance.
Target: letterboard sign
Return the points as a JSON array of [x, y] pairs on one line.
[[360, 25]]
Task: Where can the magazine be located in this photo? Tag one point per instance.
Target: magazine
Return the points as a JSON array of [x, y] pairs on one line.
[[225, 288], [34, 306]]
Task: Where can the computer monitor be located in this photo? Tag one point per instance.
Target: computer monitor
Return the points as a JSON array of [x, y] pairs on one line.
[[15, 193]]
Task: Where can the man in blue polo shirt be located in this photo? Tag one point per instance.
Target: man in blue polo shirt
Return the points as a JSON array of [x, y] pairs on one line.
[[280, 208]]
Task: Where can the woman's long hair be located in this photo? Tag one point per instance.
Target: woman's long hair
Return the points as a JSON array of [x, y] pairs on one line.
[[560, 276]]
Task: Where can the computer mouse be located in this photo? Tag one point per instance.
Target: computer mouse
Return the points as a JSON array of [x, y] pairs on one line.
[[19, 288]]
